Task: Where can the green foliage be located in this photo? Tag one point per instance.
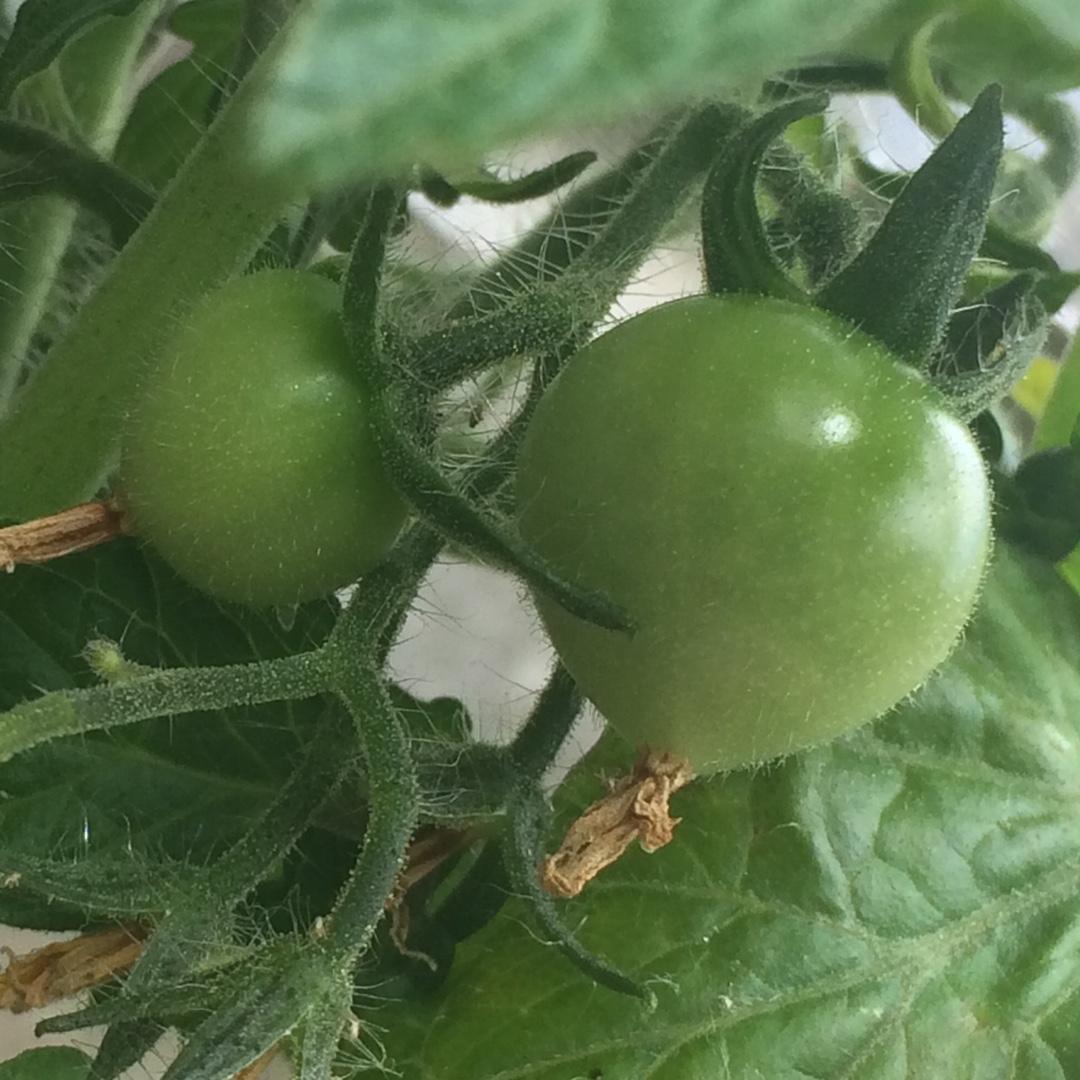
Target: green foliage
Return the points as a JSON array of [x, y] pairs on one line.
[[48, 1063], [1029, 44], [316, 856], [902, 902], [367, 88]]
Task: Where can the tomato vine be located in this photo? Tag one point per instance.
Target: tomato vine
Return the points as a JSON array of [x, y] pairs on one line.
[[752, 521]]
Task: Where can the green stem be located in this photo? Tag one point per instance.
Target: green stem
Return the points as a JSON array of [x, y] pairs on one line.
[[35, 235], [548, 725], [61, 168], [167, 692], [528, 814], [394, 794], [60, 439], [368, 626], [248, 861]]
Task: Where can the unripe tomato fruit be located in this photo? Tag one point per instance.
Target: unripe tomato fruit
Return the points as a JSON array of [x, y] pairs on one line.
[[796, 521], [247, 460]]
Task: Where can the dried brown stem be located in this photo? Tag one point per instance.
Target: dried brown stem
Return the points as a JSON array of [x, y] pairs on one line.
[[74, 529]]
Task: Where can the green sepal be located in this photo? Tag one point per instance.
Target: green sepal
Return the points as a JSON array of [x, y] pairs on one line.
[[125, 1044], [988, 347], [1053, 286], [267, 1000], [815, 223], [901, 286], [978, 331], [1019, 254], [736, 251], [437, 189], [477, 897], [842, 76], [547, 726], [445, 509], [529, 814]]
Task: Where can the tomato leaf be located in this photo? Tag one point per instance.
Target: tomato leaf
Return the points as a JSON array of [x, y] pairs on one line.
[[42, 29], [47, 1063], [171, 114], [365, 88], [154, 795], [901, 902]]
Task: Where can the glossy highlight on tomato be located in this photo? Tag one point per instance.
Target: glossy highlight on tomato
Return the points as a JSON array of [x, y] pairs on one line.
[[247, 460], [796, 521]]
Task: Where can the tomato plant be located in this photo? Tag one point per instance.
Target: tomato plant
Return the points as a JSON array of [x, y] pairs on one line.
[[231, 326], [247, 458], [796, 521]]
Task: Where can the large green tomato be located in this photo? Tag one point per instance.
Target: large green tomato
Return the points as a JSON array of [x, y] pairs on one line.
[[797, 523], [247, 460]]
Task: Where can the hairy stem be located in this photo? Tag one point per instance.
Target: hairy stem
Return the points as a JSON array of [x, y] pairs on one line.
[[60, 439], [168, 692]]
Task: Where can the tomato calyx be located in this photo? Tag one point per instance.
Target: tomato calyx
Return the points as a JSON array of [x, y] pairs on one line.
[[898, 291]]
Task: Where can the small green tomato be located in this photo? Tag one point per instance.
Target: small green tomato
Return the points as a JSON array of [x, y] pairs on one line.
[[797, 522], [247, 460]]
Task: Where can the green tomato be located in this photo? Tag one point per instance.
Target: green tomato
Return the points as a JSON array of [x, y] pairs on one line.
[[247, 460], [797, 523]]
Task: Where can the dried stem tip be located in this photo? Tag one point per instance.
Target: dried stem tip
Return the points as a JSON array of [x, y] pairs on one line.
[[635, 808], [65, 968]]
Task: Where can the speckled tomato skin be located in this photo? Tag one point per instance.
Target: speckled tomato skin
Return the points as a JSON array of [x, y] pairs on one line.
[[796, 521], [247, 460]]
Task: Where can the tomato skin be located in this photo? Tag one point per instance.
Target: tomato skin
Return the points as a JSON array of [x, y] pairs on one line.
[[247, 461], [798, 524]]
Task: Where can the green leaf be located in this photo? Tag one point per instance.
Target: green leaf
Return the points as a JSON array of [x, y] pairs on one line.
[[172, 113], [370, 88], [42, 28], [125, 804], [46, 1063], [902, 903]]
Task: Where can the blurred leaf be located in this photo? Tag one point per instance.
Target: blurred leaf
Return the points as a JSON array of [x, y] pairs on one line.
[[42, 29], [46, 1063], [902, 903], [371, 88], [160, 791]]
